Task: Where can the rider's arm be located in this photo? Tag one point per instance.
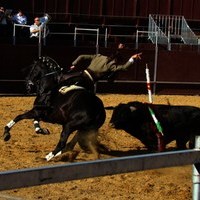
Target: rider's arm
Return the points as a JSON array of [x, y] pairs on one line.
[[81, 58], [115, 67]]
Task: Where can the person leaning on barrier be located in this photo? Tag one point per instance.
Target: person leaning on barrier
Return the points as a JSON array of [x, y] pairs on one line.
[[36, 28], [39, 25]]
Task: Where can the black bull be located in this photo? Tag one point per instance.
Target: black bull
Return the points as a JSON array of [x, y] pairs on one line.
[[179, 123]]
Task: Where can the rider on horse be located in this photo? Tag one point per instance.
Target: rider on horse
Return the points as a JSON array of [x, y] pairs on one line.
[[101, 66]]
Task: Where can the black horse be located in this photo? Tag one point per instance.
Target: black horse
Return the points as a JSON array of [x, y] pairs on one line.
[[52, 77], [77, 109]]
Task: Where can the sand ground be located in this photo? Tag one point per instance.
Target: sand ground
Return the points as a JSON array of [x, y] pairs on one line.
[[26, 149]]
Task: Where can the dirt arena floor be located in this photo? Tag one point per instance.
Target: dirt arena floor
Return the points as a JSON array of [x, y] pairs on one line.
[[26, 149]]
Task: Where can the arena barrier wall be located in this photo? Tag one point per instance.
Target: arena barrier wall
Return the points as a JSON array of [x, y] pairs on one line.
[[177, 71], [74, 171]]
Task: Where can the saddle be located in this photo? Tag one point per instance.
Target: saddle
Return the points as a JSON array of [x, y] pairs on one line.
[[66, 77], [64, 89]]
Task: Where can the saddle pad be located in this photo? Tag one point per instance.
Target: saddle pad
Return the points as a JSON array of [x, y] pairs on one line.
[[65, 89]]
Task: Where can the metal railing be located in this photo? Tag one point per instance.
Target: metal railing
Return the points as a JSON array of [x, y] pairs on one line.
[[187, 35], [14, 30], [170, 26], [155, 30], [87, 29], [41, 38]]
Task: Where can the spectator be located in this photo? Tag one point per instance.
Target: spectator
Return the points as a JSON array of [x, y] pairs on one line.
[[37, 27], [19, 18], [2, 16]]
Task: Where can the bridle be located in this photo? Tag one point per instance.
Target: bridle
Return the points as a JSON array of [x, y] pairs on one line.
[[51, 64]]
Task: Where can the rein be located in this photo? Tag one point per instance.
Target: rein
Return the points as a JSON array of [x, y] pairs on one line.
[[50, 73], [46, 66]]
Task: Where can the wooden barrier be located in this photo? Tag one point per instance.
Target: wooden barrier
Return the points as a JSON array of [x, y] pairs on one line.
[[175, 74]]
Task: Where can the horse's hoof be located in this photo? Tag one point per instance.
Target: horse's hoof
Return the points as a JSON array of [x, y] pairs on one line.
[[6, 136], [59, 153], [43, 131], [49, 156]]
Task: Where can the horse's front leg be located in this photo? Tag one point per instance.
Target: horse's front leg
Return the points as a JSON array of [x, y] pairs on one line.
[[27, 115], [39, 129]]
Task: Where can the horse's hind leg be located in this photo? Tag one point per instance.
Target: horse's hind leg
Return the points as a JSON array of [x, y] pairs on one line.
[[88, 141], [7, 128], [70, 145]]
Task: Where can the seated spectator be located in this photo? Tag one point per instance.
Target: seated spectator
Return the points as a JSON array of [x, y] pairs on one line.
[[19, 18]]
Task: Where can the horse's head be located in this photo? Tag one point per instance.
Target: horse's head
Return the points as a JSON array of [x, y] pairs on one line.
[[43, 75]]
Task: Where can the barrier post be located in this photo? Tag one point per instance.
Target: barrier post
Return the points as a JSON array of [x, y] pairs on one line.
[[40, 43], [136, 42], [196, 174], [88, 29], [75, 30], [106, 37], [155, 64], [97, 41], [14, 40]]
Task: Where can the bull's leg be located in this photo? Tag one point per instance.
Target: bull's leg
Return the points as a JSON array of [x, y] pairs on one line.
[[39, 129], [192, 140], [27, 115], [161, 143]]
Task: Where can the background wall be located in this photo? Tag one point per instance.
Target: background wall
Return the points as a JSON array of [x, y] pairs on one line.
[[140, 8], [178, 70]]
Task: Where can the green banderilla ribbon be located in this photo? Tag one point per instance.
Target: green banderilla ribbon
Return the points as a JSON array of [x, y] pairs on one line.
[[158, 125]]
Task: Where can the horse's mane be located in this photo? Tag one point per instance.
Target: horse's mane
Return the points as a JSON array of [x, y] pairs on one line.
[[51, 63]]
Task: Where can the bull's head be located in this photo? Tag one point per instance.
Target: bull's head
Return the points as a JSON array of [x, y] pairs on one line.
[[135, 119], [121, 116]]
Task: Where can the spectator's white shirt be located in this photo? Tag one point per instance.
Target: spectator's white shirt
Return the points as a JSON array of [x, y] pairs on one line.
[[35, 27], [40, 27]]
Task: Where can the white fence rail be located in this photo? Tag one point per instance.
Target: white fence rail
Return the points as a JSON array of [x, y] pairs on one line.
[[87, 29]]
